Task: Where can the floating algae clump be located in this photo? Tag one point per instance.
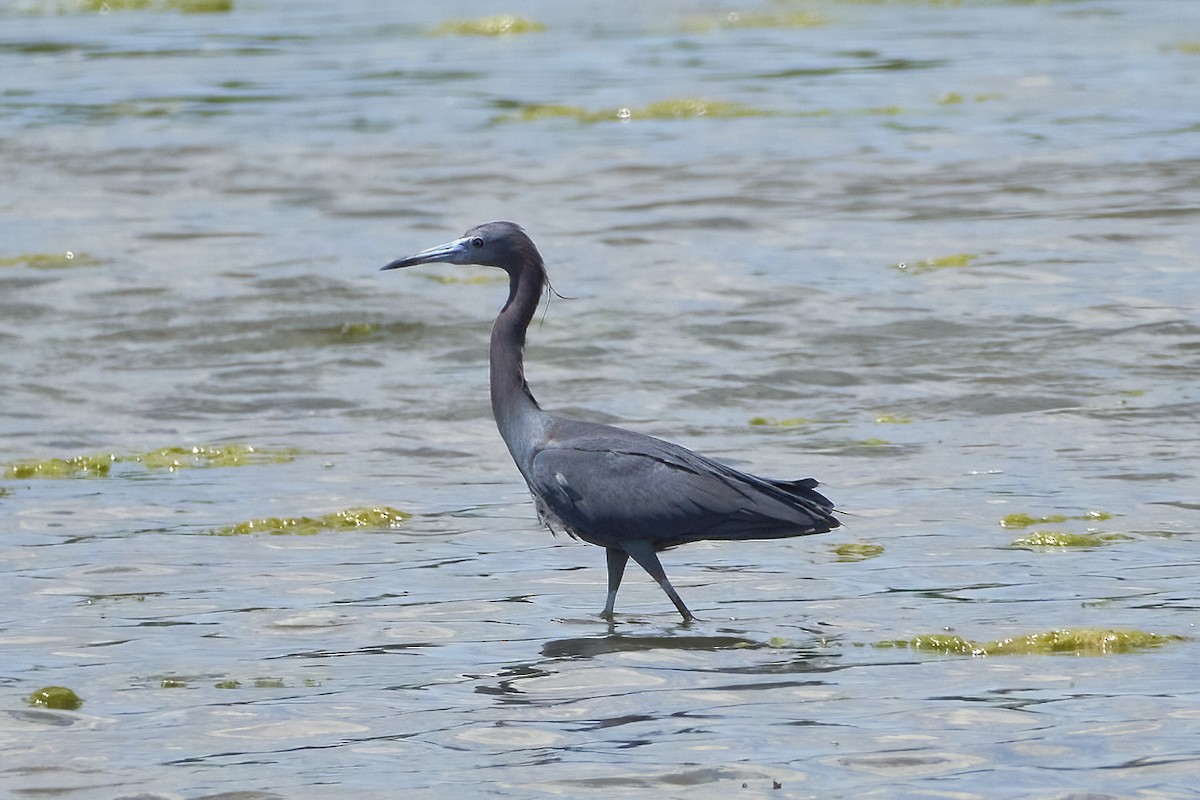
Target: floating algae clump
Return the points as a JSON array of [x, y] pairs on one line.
[[79, 466], [771, 422], [357, 329], [679, 108], [691, 107], [857, 551], [498, 25], [186, 6], [1076, 642], [467, 280], [944, 262], [737, 19], [50, 260], [57, 697], [956, 98], [1025, 520], [169, 458], [1062, 539], [222, 455], [348, 519]]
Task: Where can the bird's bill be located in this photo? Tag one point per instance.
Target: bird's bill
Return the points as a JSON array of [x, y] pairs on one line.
[[451, 252]]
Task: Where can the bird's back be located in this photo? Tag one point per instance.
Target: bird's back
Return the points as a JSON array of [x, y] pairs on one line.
[[607, 485]]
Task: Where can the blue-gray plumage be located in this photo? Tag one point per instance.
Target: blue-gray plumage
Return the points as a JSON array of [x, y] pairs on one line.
[[632, 494]]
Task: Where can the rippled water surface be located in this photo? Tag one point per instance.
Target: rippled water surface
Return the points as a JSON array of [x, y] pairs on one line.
[[193, 212]]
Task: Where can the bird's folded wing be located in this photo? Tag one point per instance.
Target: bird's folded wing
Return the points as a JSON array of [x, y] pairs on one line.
[[653, 490]]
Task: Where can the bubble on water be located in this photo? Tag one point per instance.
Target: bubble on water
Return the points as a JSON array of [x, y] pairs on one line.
[[624, 113], [70, 254]]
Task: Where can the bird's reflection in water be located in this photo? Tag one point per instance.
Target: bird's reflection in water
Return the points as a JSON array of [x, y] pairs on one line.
[[592, 646], [615, 669]]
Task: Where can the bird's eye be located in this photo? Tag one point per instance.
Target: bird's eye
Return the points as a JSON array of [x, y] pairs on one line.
[[477, 242]]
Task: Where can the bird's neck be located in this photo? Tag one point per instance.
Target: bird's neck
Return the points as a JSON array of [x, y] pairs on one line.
[[517, 413]]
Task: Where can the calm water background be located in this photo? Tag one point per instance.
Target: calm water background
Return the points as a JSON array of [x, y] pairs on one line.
[[230, 183]]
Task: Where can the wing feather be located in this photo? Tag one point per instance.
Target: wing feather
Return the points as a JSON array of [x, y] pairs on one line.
[[606, 484]]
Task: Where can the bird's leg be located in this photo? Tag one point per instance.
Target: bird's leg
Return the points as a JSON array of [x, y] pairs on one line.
[[643, 553], [617, 559]]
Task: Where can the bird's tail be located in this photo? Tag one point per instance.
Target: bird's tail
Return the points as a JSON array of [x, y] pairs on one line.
[[805, 489]]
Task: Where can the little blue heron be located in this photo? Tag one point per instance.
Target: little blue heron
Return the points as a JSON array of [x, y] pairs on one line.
[[629, 493]]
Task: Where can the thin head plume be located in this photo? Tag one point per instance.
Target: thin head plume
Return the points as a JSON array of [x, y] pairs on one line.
[[551, 293]]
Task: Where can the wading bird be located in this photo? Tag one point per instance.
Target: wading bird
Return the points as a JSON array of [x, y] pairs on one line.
[[632, 494]]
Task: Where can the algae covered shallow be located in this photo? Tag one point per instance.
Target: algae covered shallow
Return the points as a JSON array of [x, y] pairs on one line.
[[369, 518], [168, 458], [1075, 641]]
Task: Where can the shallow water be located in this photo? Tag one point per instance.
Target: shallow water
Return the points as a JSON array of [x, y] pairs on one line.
[[228, 184]]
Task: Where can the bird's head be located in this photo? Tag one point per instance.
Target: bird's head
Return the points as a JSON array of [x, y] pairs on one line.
[[493, 244]]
